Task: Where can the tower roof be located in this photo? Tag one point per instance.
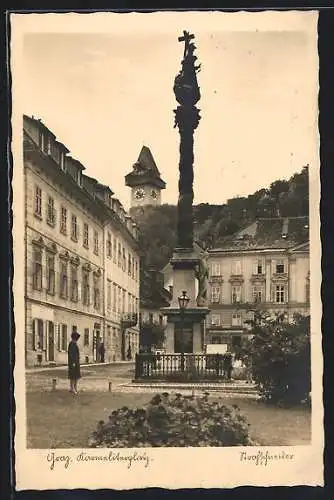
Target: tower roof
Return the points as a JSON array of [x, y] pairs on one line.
[[145, 171]]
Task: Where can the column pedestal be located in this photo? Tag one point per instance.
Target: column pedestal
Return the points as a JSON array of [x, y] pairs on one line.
[[184, 262]]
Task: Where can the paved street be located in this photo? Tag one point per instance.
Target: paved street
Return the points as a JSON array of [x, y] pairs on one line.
[[94, 377]]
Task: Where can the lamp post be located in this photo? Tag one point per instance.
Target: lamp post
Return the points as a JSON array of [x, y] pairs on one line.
[[183, 303]]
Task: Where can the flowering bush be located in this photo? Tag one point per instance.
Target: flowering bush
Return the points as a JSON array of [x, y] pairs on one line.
[[173, 420]]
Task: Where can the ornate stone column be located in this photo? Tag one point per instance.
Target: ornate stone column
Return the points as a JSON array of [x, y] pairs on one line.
[[185, 261], [187, 94]]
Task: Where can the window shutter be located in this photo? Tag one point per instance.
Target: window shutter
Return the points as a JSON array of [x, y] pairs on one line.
[[254, 266], [57, 335], [44, 335], [34, 334], [79, 287]]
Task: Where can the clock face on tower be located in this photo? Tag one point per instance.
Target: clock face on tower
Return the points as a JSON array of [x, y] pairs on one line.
[[139, 194], [154, 194]]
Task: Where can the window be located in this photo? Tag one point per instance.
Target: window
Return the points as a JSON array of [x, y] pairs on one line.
[[129, 264], [38, 201], [38, 334], [114, 297], [215, 320], [216, 339], [85, 235], [63, 337], [41, 140], [108, 295], [257, 293], [215, 269], [37, 269], [97, 303], [236, 294], [51, 213], [119, 255], [161, 319], [96, 242], [86, 336], [215, 294], [119, 299], [307, 290], [123, 259], [258, 267], [123, 301], [50, 274], [236, 267], [109, 246], [136, 271], [279, 267], [280, 294], [63, 220], [62, 161], [130, 303], [85, 287], [74, 229], [236, 319], [63, 280], [74, 284], [48, 146], [150, 318], [115, 250]]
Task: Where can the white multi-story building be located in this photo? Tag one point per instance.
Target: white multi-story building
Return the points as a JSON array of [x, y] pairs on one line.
[[264, 268], [70, 279]]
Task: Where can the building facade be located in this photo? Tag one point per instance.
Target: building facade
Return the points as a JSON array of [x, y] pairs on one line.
[[73, 281], [264, 268]]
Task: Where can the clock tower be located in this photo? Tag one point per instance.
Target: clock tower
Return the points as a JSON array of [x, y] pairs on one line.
[[145, 181]]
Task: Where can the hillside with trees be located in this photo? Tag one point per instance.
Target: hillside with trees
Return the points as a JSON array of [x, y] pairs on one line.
[[212, 223]]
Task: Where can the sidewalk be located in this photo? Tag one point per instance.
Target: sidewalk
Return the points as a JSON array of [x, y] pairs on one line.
[[38, 369]]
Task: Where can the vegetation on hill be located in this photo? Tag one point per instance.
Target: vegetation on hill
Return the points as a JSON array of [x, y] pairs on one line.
[[284, 198]]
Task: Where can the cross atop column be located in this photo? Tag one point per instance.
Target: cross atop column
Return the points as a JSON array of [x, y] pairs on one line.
[[186, 38]]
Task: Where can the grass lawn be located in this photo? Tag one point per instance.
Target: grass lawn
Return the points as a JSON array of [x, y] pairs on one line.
[[61, 420]]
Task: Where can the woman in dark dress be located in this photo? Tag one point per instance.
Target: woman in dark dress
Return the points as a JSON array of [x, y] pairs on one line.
[[74, 362]]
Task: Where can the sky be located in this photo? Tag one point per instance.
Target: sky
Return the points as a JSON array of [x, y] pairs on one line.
[[105, 89]]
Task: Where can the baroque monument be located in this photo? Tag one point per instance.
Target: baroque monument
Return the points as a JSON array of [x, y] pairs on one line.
[[185, 328]]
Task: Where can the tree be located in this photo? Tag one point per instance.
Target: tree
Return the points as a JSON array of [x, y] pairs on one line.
[[280, 357], [152, 334]]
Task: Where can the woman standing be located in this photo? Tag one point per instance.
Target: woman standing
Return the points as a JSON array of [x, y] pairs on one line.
[[74, 362]]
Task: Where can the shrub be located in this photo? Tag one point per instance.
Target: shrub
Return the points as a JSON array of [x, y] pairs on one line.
[[280, 357], [173, 420]]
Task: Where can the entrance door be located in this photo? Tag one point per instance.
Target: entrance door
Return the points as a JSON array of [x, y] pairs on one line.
[[183, 339], [51, 341]]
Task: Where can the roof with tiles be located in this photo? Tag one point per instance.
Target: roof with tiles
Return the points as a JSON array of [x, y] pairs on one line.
[[266, 233]]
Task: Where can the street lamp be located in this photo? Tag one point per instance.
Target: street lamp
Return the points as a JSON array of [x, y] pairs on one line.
[[183, 303]]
